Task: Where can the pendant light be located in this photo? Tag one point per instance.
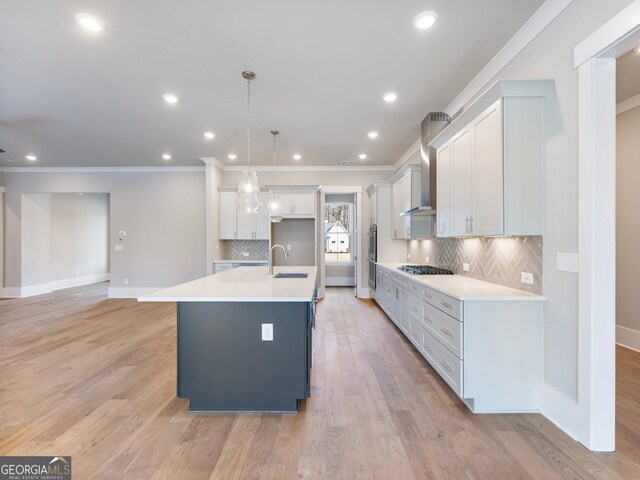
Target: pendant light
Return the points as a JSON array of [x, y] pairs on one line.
[[248, 197], [274, 209]]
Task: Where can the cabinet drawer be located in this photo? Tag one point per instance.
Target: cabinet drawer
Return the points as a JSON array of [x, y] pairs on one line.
[[444, 327], [401, 281], [443, 302], [415, 332], [415, 307], [446, 363]]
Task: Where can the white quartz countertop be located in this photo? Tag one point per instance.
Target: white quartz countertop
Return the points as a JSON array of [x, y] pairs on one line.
[[465, 288], [242, 261], [242, 284]]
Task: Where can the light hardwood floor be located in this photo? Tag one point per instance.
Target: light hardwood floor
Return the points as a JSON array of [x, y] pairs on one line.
[[95, 379]]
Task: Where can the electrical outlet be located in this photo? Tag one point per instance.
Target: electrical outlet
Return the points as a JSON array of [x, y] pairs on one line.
[[77, 272], [267, 332], [126, 281], [426, 260], [245, 254], [408, 256], [119, 247], [288, 247], [526, 277], [465, 267]]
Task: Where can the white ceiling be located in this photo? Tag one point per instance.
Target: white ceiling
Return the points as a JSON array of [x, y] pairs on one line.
[[78, 99], [627, 76]]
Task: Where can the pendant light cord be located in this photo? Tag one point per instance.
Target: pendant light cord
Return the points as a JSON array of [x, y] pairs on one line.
[[274, 159], [248, 124]]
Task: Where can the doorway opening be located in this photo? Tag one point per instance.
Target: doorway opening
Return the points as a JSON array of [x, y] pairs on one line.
[[339, 240], [65, 241]]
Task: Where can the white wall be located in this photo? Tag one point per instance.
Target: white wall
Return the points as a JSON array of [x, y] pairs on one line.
[[162, 212], [79, 235], [627, 218]]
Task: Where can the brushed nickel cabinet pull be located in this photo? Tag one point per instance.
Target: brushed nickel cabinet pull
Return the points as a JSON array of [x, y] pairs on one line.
[[447, 367], [446, 332], [445, 304]]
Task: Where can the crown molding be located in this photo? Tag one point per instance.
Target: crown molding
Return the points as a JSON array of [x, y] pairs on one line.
[[628, 104], [547, 12], [300, 168], [166, 169]]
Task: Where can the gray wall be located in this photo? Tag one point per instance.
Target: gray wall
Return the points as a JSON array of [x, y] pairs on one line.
[[301, 235], [36, 238], [550, 55], [79, 235], [162, 212], [628, 218]]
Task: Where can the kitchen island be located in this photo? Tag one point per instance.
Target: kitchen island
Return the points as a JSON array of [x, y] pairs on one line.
[[244, 339]]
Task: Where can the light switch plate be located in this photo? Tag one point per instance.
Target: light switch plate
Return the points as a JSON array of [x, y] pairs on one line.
[[526, 277], [567, 262], [245, 254], [465, 267], [426, 260], [119, 247], [267, 332]]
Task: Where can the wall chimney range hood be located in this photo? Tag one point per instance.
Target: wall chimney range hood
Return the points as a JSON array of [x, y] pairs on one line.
[[431, 126]]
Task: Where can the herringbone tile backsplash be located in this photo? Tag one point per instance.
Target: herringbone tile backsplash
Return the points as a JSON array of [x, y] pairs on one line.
[[233, 249], [495, 260]]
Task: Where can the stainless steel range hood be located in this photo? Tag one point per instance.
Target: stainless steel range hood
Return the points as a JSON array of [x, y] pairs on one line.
[[431, 126]]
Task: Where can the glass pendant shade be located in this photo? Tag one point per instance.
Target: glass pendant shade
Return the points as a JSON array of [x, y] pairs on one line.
[[248, 196], [274, 209]]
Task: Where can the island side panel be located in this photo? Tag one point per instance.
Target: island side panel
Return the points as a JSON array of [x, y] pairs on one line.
[[224, 365]]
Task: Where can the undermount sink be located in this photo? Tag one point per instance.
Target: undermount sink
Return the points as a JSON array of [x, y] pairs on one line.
[[291, 275]]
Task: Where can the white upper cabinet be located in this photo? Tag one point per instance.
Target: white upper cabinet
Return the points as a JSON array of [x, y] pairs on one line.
[[236, 225], [298, 203], [443, 195], [227, 215], [490, 172]]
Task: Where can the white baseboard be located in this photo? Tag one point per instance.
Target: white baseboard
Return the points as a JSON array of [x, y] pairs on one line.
[[79, 281], [131, 292], [41, 288], [561, 410], [627, 337], [10, 292]]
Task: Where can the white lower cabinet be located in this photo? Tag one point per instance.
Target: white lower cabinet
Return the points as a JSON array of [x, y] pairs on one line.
[[487, 351]]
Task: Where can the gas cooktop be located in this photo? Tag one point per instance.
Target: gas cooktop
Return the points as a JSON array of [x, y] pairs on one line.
[[424, 270]]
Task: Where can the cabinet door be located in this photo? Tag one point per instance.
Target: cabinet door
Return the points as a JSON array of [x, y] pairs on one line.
[[403, 311], [443, 192], [461, 183], [304, 202], [262, 226], [396, 208], [227, 215], [286, 202], [374, 208], [245, 222], [488, 216]]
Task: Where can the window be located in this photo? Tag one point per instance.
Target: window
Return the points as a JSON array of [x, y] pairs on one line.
[[338, 230]]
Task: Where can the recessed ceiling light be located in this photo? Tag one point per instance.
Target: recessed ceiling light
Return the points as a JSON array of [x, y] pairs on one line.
[[425, 20], [209, 135], [297, 156], [232, 156], [362, 156], [170, 98], [90, 23], [390, 97], [31, 158], [372, 134], [166, 156]]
